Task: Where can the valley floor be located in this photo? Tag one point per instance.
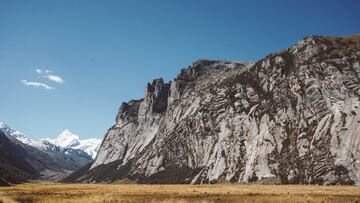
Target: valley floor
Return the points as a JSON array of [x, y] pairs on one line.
[[45, 192]]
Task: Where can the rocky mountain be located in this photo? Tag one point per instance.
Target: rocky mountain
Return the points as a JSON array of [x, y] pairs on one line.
[[14, 168], [292, 117], [46, 160], [67, 139]]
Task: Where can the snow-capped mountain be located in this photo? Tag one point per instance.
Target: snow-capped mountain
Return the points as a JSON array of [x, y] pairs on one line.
[[49, 160], [67, 139], [18, 135]]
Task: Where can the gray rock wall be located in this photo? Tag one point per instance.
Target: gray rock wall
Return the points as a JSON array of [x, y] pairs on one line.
[[293, 117]]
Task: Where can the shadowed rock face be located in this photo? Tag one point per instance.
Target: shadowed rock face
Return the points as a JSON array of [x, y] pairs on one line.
[[158, 91], [14, 168], [292, 117]]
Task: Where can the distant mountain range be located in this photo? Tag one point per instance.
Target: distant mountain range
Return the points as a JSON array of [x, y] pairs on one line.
[[66, 139], [22, 158]]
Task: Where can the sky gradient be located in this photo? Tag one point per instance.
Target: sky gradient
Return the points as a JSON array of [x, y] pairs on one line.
[[106, 51]]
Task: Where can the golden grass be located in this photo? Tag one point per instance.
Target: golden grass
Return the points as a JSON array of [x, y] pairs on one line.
[[45, 192]]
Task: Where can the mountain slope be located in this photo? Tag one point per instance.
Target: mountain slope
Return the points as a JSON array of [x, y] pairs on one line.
[[292, 117], [13, 166], [47, 160]]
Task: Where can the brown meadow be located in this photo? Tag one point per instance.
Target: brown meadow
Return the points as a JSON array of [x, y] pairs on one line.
[[47, 192]]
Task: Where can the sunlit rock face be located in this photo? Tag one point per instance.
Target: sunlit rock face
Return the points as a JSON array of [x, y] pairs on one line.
[[292, 117]]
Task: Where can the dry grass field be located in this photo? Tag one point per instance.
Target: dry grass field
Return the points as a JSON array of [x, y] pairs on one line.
[[46, 192]]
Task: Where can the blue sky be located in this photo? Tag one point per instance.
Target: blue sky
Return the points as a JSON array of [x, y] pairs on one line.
[[106, 51]]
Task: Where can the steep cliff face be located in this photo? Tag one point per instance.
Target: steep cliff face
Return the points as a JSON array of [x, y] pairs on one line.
[[141, 118], [292, 117]]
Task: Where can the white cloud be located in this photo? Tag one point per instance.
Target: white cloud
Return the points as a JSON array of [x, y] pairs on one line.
[[46, 74], [54, 78], [36, 84]]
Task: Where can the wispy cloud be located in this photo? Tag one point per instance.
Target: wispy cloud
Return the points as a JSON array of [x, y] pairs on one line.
[[36, 84], [46, 74], [54, 78]]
